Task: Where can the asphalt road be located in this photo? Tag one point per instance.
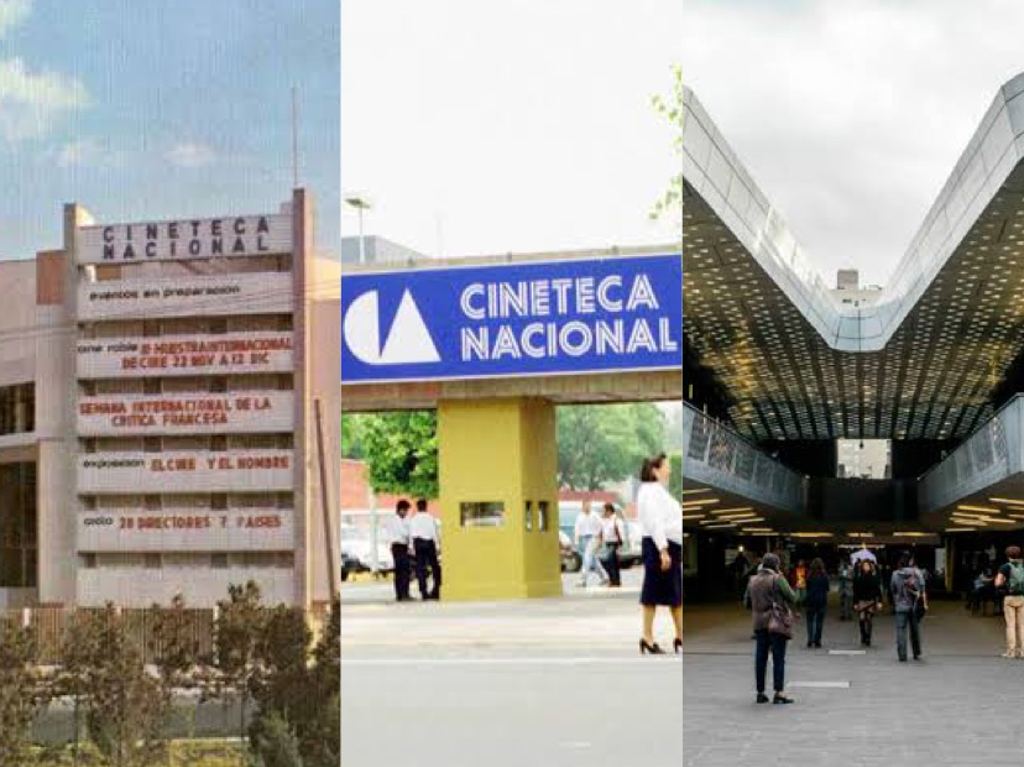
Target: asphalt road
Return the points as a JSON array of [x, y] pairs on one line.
[[553, 682]]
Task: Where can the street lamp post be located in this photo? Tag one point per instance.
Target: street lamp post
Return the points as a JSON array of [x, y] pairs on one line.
[[360, 203]]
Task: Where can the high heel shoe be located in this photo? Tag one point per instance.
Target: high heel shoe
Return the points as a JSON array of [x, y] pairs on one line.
[[677, 645], [653, 648]]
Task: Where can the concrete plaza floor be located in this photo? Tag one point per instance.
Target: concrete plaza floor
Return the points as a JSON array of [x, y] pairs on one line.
[[959, 706], [553, 682]]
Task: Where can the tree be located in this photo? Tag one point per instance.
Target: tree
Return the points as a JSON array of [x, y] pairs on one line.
[[125, 707], [320, 736], [175, 650], [598, 444], [273, 742], [234, 661], [20, 692], [671, 108], [400, 450]]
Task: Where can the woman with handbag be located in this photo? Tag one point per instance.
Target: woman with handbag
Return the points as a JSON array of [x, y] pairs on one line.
[[611, 534], [771, 598]]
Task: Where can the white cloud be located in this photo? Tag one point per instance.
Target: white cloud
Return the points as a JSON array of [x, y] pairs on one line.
[[190, 155], [30, 102], [87, 153], [850, 114], [12, 13]]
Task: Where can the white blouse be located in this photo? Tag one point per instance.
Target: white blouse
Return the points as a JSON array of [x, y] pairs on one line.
[[661, 515]]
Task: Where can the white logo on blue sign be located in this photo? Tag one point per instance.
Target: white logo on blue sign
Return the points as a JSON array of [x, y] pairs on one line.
[[533, 318], [408, 341]]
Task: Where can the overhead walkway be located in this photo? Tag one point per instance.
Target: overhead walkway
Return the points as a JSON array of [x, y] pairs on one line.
[[981, 483], [716, 458]]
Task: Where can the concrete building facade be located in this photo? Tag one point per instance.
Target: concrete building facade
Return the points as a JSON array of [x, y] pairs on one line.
[[160, 383]]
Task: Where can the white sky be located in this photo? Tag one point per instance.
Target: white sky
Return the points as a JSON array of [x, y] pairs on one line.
[[509, 126], [850, 114]]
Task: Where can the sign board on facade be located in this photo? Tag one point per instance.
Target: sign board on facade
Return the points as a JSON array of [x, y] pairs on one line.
[[186, 530], [194, 471], [249, 352], [521, 319], [187, 413], [198, 296], [184, 239]]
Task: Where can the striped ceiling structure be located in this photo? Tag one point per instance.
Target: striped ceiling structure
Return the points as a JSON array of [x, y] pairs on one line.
[[920, 363]]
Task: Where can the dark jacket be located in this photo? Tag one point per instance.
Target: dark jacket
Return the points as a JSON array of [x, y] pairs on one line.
[[866, 587], [817, 592], [765, 587]]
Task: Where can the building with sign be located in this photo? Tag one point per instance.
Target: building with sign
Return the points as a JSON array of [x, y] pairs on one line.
[[163, 382], [494, 345]]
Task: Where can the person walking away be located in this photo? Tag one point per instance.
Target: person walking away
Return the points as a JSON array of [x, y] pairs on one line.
[[426, 541], [397, 532], [1011, 578], [910, 601], [816, 602], [587, 533], [845, 590], [661, 523], [867, 597], [771, 597], [613, 537]]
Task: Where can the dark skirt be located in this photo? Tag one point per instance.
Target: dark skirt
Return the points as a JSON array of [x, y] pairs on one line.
[[662, 587]]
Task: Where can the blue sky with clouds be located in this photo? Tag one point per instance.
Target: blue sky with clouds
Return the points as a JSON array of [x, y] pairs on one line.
[[142, 110]]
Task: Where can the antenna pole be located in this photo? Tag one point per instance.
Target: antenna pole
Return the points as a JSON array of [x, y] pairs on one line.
[[295, 137]]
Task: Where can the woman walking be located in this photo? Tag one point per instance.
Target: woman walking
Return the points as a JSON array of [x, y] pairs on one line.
[[770, 600], [611, 534], [867, 597], [816, 601], [661, 522]]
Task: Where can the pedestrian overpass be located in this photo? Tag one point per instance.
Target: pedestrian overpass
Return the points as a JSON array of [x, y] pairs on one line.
[[494, 345]]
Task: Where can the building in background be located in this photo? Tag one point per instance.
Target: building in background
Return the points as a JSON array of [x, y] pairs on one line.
[[159, 389]]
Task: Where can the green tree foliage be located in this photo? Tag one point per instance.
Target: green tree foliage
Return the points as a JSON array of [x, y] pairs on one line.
[[598, 444], [675, 482], [400, 450], [671, 108], [236, 634], [273, 743], [20, 692], [125, 706]]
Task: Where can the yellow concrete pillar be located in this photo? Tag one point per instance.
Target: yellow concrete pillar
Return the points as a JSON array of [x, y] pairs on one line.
[[499, 498]]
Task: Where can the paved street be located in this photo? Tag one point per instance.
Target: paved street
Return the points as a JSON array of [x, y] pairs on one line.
[[553, 682], [957, 707]]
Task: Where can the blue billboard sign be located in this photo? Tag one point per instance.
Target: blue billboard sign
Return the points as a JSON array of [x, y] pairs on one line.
[[512, 319]]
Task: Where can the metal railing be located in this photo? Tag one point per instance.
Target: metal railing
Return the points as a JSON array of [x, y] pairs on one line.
[[715, 455]]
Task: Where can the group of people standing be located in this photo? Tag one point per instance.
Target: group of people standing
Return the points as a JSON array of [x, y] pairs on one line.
[[772, 597], [420, 537], [598, 539]]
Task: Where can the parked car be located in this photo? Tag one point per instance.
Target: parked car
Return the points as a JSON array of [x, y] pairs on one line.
[[349, 565], [356, 545], [571, 559]]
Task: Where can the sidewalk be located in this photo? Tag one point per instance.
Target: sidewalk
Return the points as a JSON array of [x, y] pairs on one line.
[[507, 684], [957, 707]]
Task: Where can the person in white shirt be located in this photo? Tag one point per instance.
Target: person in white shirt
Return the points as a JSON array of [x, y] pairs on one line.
[[587, 533], [661, 521], [397, 532], [426, 541], [613, 536]]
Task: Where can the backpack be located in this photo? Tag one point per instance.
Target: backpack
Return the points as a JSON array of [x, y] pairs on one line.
[[1015, 582]]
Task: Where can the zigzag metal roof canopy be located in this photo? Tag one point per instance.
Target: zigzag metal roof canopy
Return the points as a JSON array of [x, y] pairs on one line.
[[921, 363]]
